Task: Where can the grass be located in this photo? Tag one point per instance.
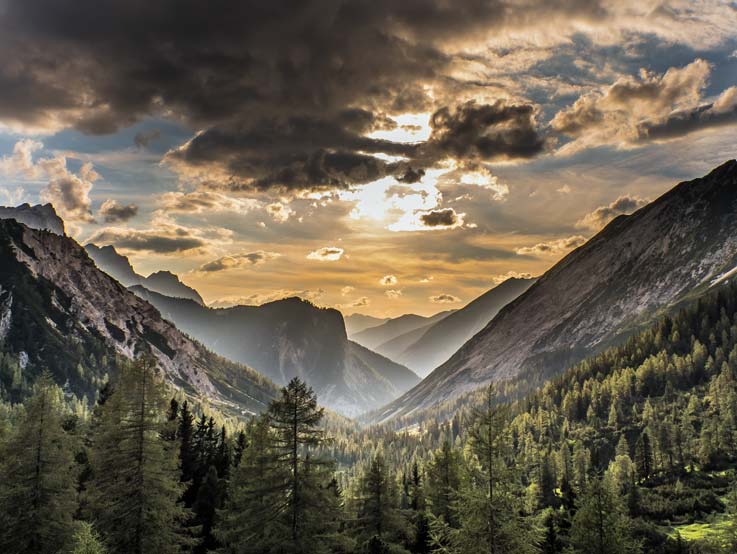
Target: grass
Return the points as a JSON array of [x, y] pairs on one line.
[[716, 531]]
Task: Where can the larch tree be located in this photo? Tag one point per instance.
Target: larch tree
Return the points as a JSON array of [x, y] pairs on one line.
[[136, 489], [37, 495]]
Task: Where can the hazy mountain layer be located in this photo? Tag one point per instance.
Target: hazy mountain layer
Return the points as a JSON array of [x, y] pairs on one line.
[[118, 266], [293, 338], [424, 349], [393, 328]]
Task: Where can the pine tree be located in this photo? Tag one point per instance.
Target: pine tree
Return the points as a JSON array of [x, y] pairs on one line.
[[490, 511], [250, 522], [379, 520], [37, 496], [443, 474], [644, 456], [209, 497], [600, 525], [86, 540], [136, 483], [295, 418]]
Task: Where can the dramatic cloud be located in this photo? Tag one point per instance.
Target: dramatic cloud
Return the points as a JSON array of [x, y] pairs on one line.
[[388, 280], [147, 241], [604, 214], [552, 247], [112, 212], [650, 107], [326, 254], [204, 201], [235, 261], [444, 299], [440, 218], [485, 131], [393, 293], [68, 191]]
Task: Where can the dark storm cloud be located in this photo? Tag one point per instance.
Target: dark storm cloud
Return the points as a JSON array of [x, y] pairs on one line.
[[440, 218], [113, 212], [684, 122], [161, 242], [253, 74], [485, 131], [411, 176]]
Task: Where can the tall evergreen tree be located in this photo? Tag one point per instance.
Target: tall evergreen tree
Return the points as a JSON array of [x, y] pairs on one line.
[[37, 496], [490, 512], [379, 520], [444, 481], [600, 525], [136, 483]]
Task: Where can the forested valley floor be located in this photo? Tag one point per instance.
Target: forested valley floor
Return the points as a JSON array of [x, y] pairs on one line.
[[633, 450]]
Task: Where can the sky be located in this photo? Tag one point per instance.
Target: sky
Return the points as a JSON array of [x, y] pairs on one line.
[[380, 157]]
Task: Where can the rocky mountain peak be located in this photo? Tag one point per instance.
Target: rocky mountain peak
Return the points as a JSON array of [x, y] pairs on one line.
[[40, 216]]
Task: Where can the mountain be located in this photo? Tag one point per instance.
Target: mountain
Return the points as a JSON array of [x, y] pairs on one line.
[[40, 216], [118, 266], [634, 269], [355, 323], [59, 312], [426, 348], [293, 338], [375, 336]]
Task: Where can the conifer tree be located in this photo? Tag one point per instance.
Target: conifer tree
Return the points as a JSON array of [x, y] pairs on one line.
[[37, 496], [600, 525], [490, 512], [86, 540], [379, 521], [444, 480], [136, 482]]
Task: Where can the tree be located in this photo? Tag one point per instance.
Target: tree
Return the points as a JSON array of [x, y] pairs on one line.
[[209, 497], [86, 540], [37, 496], [444, 480], [644, 456], [490, 513], [600, 525], [280, 489], [379, 520], [136, 486]]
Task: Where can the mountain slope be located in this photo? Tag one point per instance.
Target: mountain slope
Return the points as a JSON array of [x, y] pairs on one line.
[[375, 336], [290, 338], [637, 266], [58, 311], [119, 267], [434, 344]]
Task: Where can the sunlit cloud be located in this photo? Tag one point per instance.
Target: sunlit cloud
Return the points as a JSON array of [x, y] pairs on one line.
[[552, 247], [326, 254], [444, 299], [388, 280]]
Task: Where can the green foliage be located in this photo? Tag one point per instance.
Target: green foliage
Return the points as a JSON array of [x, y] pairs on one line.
[[135, 488], [37, 497], [86, 540]]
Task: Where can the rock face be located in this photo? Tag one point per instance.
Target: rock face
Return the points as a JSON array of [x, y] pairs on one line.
[[40, 216], [425, 349], [293, 338], [58, 311], [118, 266], [630, 272]]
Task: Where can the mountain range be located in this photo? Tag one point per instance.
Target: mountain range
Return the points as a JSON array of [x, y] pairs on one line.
[[633, 270], [119, 267], [425, 347], [293, 338], [59, 312]]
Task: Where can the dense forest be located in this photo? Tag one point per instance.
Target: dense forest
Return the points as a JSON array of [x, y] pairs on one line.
[[633, 450]]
